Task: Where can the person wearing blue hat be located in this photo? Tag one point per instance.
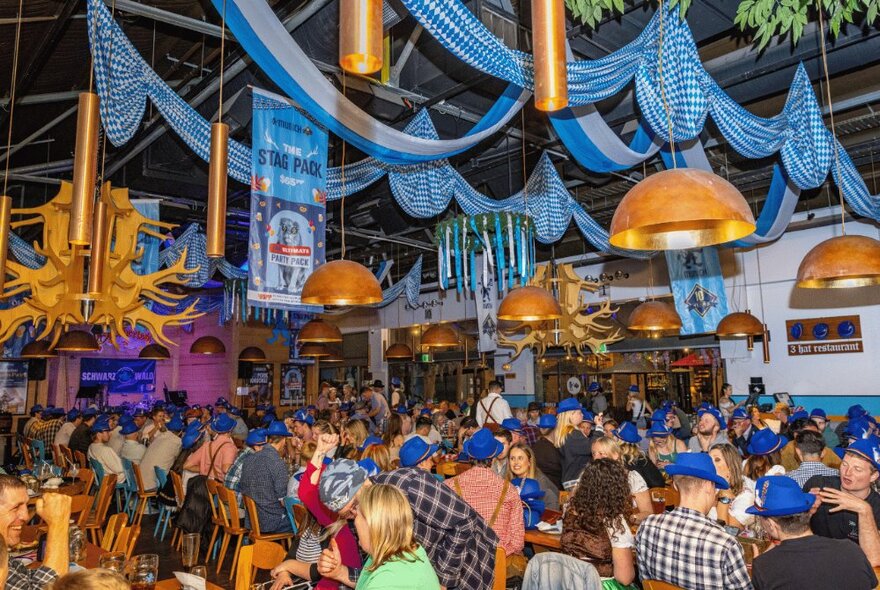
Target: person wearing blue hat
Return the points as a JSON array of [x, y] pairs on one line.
[[801, 559], [742, 429], [369, 441], [132, 449], [491, 496], [850, 507], [214, 458], [264, 478], [638, 407], [47, 429], [706, 556], [598, 401], [74, 419], [820, 419], [628, 439], [547, 457], [103, 454], [81, 437], [766, 442], [302, 425], [663, 446], [574, 446], [417, 453], [711, 430], [164, 450], [254, 443]]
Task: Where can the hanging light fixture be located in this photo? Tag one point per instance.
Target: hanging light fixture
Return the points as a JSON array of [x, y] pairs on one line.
[[398, 351], [252, 354], [218, 167], [739, 324], [314, 351], [318, 331], [841, 262], [85, 168], [360, 36], [440, 336], [38, 349], [333, 355], [529, 304], [655, 318], [845, 261], [548, 41], [154, 352], [341, 282], [77, 341], [207, 345], [99, 250]]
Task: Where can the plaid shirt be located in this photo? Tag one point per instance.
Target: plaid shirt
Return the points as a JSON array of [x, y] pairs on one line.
[[233, 476], [531, 434], [808, 469], [459, 543], [685, 548], [21, 578], [46, 431], [481, 488]]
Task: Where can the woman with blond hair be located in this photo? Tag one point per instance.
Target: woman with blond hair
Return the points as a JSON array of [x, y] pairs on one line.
[[521, 463], [380, 454], [634, 458], [354, 433], [384, 524], [608, 448], [663, 447], [731, 503], [573, 445]]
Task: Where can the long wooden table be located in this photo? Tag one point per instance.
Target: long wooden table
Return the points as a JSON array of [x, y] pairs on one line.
[[173, 584], [70, 489], [541, 541]]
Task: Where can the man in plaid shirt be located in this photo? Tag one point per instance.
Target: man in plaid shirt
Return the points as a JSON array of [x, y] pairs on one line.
[[685, 548], [48, 428]]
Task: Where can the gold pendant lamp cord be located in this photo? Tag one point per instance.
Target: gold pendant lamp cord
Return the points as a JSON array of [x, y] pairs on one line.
[[222, 60], [12, 92], [831, 116], [663, 84]]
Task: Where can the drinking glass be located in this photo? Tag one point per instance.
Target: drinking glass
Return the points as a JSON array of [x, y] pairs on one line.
[[114, 561], [142, 571], [189, 549], [658, 502]]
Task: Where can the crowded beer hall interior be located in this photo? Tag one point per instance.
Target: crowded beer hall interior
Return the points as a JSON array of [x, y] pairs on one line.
[[440, 294]]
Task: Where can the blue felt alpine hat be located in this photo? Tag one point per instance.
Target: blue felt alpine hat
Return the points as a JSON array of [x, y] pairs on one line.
[[256, 437], [799, 415], [222, 423], [569, 404], [779, 495], [859, 428], [511, 424], [416, 450], [304, 416], [36, 408], [547, 421], [594, 386], [659, 416], [856, 411], [588, 416], [741, 414], [658, 430], [634, 389], [191, 438], [628, 433], [483, 445], [89, 412], [818, 413], [370, 466], [765, 441], [710, 409], [126, 419], [866, 448], [175, 424], [401, 409], [528, 488], [129, 428], [370, 441], [72, 415], [425, 412], [697, 465], [101, 425], [278, 428]]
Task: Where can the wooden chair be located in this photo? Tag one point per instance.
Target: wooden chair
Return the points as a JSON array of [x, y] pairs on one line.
[[87, 476], [143, 496], [114, 524], [261, 555], [126, 539], [25, 450], [658, 585], [216, 518], [67, 454], [81, 460], [232, 527], [80, 506], [177, 482], [95, 524], [500, 579], [256, 534], [296, 513], [58, 457]]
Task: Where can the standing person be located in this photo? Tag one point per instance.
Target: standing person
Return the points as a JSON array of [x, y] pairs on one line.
[[850, 508], [637, 407], [377, 406], [162, 452], [54, 509], [573, 445], [711, 430], [684, 547], [725, 404], [215, 458], [264, 478], [493, 409], [384, 523], [599, 403], [801, 559], [323, 401], [81, 437], [547, 457], [74, 419]]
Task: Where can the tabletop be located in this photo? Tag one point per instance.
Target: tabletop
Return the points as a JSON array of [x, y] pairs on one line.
[[543, 541], [173, 584], [70, 489]]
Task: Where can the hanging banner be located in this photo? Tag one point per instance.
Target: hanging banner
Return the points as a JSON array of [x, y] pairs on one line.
[[288, 203], [698, 289], [13, 387], [486, 298], [125, 376]]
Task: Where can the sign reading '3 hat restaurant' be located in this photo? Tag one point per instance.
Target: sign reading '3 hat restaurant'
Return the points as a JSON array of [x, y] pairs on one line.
[[832, 335]]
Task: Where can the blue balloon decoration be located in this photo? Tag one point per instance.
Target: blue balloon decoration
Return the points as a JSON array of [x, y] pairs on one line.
[[846, 329], [820, 331], [797, 330]]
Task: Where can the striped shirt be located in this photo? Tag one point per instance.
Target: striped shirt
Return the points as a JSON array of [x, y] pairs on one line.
[[808, 469]]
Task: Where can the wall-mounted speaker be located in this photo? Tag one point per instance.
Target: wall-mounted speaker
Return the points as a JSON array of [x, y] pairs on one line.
[[36, 370]]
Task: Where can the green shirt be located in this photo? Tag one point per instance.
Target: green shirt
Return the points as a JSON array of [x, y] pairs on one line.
[[400, 574]]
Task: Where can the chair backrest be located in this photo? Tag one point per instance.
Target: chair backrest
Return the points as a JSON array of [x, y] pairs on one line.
[[658, 585], [213, 486], [262, 555], [115, 523], [39, 449], [68, 454], [87, 476], [229, 508], [253, 517], [105, 496], [500, 579], [669, 494], [290, 504], [81, 459], [130, 478], [177, 482], [161, 476], [126, 539], [79, 508], [58, 457], [25, 450], [138, 478], [98, 469]]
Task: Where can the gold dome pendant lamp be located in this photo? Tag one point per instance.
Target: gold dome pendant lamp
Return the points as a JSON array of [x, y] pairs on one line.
[[842, 262], [677, 209], [317, 331], [529, 304], [440, 336], [208, 345], [77, 341], [398, 352], [655, 319], [739, 324], [154, 352], [252, 354]]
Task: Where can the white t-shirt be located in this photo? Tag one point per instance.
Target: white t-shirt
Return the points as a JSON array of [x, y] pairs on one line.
[[737, 508], [63, 435], [499, 410], [636, 483], [622, 538], [636, 409]]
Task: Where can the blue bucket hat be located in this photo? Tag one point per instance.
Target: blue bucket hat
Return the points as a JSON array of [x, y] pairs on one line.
[[856, 411], [425, 412], [741, 414], [175, 424], [191, 438], [866, 448], [126, 419], [416, 450], [659, 416], [818, 413], [765, 441], [304, 417], [512, 424], [628, 433], [588, 416], [569, 404], [697, 465], [101, 425], [482, 445], [658, 431], [267, 419], [222, 423], [370, 466], [547, 421], [594, 386], [370, 441], [256, 437], [233, 410], [401, 409], [139, 413], [278, 428], [710, 409], [72, 415], [859, 428], [89, 413], [799, 415], [36, 408], [634, 389], [129, 428], [779, 495]]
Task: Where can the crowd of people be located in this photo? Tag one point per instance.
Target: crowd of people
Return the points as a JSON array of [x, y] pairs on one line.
[[767, 504]]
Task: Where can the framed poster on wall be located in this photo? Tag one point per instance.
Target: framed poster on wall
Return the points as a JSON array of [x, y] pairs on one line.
[[260, 384], [293, 385], [13, 387]]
